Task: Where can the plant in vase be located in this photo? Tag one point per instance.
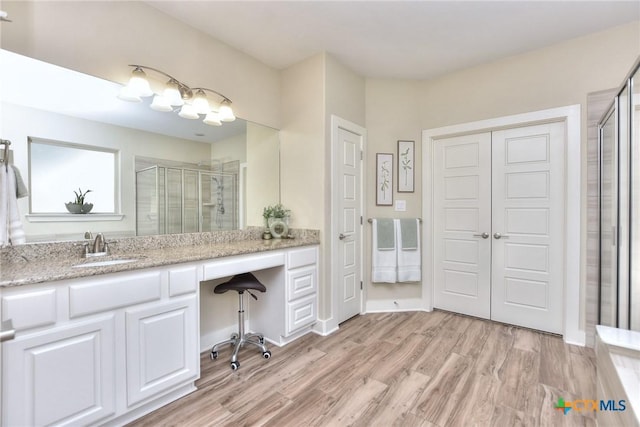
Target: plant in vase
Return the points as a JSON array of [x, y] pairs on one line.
[[78, 205], [276, 220]]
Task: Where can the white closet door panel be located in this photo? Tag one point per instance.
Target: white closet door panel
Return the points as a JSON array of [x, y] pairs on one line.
[[462, 201], [528, 213]]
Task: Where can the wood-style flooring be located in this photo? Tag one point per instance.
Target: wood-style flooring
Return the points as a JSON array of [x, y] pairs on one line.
[[395, 369]]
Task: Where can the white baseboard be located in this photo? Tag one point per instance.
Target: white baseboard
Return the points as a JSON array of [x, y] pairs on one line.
[[383, 306], [324, 327], [578, 337], [209, 339]]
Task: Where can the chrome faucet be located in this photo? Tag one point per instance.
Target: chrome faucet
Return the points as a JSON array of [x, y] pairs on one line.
[[99, 246]]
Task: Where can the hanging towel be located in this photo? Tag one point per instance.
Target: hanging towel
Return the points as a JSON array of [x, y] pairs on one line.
[[409, 258], [11, 231], [409, 233], [384, 254], [4, 207], [386, 234], [21, 189]]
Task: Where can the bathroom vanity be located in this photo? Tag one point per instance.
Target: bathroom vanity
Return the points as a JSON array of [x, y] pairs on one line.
[[105, 344]]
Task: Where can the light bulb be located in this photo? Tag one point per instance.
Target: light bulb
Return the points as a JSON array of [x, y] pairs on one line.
[[160, 103], [188, 112], [200, 102], [225, 112], [172, 93], [139, 82], [212, 119]]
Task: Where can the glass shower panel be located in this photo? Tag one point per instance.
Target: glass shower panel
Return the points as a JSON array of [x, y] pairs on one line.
[[623, 209], [219, 201], [173, 200], [191, 218], [608, 223], [147, 221], [634, 282]]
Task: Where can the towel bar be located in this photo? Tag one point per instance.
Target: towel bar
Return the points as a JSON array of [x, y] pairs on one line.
[[370, 220]]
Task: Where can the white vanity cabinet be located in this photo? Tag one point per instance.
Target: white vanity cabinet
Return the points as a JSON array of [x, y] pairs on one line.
[[289, 308], [94, 350], [63, 375]]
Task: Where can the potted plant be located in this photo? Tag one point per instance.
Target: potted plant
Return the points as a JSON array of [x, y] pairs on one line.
[[276, 219], [78, 205]]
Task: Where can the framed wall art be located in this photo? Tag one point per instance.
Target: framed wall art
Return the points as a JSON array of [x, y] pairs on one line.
[[406, 166], [384, 179]]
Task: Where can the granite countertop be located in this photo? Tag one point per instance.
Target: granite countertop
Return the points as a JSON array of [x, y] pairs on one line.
[[19, 269]]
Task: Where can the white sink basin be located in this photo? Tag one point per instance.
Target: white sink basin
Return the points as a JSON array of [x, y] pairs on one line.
[[104, 263]]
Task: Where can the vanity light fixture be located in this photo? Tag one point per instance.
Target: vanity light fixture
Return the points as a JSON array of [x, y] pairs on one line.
[[193, 101]]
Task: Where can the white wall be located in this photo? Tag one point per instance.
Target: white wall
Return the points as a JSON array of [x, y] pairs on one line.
[[312, 91], [263, 169]]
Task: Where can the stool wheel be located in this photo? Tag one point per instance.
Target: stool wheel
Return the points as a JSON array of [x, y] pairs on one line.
[[234, 336], [235, 366], [214, 355], [266, 354], [261, 340]]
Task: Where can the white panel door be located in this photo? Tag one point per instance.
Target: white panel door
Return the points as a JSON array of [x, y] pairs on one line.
[[528, 226], [462, 224], [349, 209]]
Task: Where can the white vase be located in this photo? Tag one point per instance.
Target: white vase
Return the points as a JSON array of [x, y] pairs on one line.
[[279, 227]]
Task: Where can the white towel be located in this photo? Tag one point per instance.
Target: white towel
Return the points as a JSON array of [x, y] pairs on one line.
[[409, 260], [4, 207], [11, 231], [16, 232], [383, 262]]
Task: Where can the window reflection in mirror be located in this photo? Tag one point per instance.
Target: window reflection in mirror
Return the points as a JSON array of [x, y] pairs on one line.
[[59, 170]]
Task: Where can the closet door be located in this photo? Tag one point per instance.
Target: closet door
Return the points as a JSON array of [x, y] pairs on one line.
[[462, 213], [527, 285]]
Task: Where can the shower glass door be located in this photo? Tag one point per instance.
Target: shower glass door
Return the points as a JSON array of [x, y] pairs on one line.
[[634, 294], [608, 222]]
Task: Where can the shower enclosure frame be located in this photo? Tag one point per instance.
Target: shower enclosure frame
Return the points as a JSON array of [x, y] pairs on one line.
[[161, 226], [624, 241]]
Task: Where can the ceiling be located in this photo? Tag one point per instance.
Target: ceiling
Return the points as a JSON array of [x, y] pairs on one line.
[[397, 39]]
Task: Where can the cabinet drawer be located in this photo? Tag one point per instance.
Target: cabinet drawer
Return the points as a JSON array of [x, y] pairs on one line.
[[302, 257], [301, 282], [30, 309], [102, 295], [182, 281], [301, 313]]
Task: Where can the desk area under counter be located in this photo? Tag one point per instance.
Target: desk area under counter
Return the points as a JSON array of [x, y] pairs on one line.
[[105, 345]]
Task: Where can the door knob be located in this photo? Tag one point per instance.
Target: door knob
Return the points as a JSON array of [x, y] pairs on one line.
[[341, 236], [500, 236], [483, 235]]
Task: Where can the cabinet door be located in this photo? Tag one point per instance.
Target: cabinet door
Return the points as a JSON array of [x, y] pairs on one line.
[[301, 313], [64, 376], [162, 347]]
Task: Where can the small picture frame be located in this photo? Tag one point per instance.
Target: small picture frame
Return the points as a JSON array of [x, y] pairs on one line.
[[406, 166], [384, 179]]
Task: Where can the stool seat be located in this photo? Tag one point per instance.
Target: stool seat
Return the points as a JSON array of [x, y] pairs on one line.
[[240, 283]]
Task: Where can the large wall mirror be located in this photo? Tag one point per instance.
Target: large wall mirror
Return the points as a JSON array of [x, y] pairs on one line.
[[172, 175]]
